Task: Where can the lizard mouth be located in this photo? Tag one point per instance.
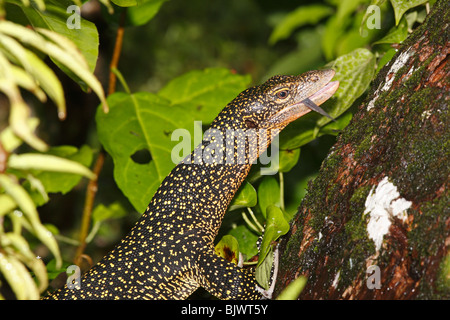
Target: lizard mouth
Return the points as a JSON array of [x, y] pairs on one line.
[[309, 103]]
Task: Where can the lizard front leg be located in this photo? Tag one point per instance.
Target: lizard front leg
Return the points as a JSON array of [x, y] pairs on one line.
[[224, 279]]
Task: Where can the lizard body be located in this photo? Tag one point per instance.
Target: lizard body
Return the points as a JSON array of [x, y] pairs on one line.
[[169, 252]]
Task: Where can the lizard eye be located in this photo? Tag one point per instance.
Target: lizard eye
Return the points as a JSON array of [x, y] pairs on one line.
[[282, 94], [250, 124]]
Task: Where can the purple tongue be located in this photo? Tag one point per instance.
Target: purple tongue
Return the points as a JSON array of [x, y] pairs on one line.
[[307, 102]]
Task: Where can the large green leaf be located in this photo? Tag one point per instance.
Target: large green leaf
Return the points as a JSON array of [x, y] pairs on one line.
[[205, 92], [354, 71], [285, 160], [144, 123], [140, 122]]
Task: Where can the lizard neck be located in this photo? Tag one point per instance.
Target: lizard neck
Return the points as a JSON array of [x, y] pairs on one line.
[[204, 183]]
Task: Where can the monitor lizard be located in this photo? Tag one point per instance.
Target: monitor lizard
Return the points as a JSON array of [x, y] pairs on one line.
[[169, 252]]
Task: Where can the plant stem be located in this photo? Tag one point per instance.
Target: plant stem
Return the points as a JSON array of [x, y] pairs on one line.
[[116, 53], [88, 205], [92, 186], [281, 190]]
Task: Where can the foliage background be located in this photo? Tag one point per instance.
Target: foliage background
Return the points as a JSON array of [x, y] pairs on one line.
[[256, 39]]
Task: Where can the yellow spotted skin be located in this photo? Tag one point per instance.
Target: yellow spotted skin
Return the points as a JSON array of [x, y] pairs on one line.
[[169, 253]]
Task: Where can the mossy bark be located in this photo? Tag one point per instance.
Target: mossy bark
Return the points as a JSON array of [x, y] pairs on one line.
[[401, 132]]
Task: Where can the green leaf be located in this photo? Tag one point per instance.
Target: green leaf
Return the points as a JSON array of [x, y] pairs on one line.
[[396, 35], [276, 226], [299, 132], [246, 239], [301, 16], [55, 18], [144, 12], [369, 13], [56, 46], [228, 248], [18, 278], [263, 270], [11, 141], [25, 203], [337, 25], [354, 71], [54, 182], [387, 56], [401, 6], [7, 204], [48, 81], [53, 271], [282, 161], [293, 290], [144, 122], [19, 247], [335, 127], [125, 3], [46, 162], [307, 55], [141, 122], [24, 80], [288, 159], [245, 197], [205, 92], [19, 112], [102, 212], [268, 194]]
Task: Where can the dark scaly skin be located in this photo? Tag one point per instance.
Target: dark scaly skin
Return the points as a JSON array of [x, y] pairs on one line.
[[169, 253]]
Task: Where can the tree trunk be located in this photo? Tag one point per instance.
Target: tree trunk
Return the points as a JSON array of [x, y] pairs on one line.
[[375, 223]]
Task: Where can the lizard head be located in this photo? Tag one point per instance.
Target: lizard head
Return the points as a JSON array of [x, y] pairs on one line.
[[259, 113], [283, 99]]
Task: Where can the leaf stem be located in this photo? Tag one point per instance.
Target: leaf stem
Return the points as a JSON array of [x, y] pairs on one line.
[[281, 190], [260, 227], [116, 53], [121, 79], [250, 224]]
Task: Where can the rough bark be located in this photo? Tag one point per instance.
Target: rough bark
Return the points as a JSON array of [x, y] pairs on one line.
[[400, 133]]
